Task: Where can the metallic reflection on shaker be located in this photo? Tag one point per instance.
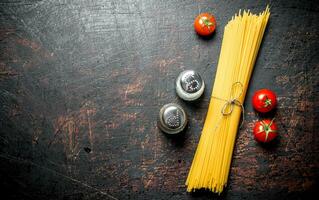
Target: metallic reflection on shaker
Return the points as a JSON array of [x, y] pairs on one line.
[[172, 118]]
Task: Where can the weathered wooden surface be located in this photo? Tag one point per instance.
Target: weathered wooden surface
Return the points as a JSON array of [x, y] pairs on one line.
[[81, 83]]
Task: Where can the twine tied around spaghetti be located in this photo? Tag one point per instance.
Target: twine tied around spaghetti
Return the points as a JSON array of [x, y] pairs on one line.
[[228, 107]]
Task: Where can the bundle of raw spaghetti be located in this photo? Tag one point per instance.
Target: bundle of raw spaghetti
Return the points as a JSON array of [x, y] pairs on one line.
[[241, 41]]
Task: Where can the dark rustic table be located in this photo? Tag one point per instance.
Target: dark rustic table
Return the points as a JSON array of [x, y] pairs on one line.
[[81, 84]]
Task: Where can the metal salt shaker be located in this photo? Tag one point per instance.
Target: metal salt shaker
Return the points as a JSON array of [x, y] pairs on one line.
[[189, 85], [172, 118]]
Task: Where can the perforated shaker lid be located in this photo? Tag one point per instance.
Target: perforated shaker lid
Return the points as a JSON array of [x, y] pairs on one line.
[[172, 118], [189, 85]]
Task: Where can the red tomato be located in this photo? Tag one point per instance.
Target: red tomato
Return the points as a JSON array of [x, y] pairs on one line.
[[205, 24], [265, 130], [264, 100]]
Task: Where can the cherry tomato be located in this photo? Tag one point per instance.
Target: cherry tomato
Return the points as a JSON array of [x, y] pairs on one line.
[[265, 130], [205, 24], [264, 100]]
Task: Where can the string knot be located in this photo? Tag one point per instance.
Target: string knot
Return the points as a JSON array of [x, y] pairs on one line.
[[228, 107]]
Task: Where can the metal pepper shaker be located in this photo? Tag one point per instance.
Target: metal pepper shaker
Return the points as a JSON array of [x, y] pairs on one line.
[[189, 85], [172, 118]]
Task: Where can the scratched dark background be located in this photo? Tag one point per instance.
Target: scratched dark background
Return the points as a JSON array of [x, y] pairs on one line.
[[81, 84]]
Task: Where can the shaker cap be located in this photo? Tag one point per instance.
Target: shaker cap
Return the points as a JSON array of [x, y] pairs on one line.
[[172, 118], [189, 85]]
